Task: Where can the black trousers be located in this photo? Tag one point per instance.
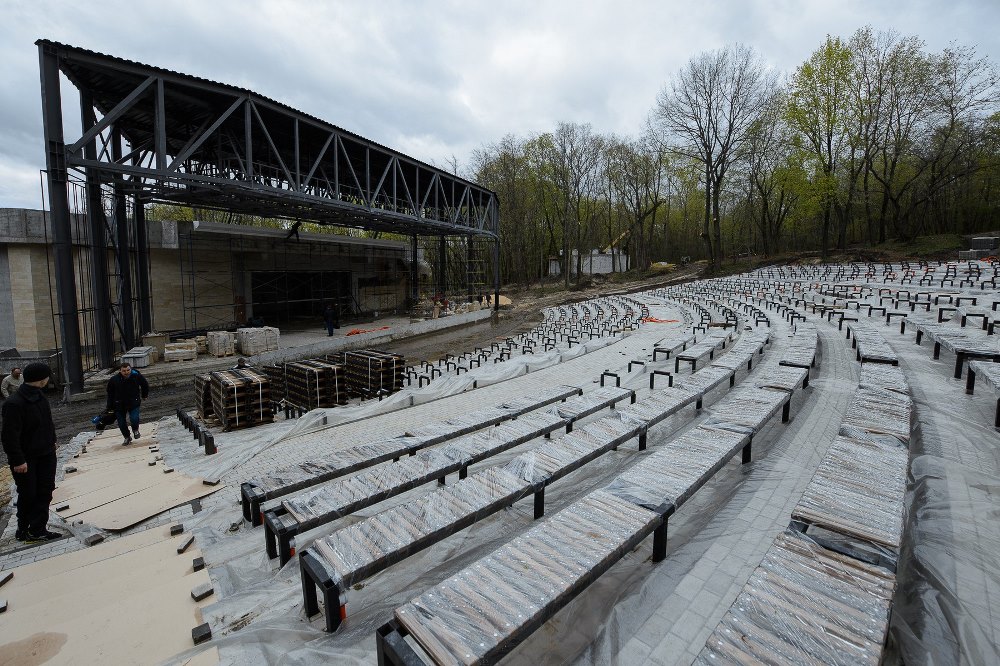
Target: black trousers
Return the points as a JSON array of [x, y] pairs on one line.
[[34, 493]]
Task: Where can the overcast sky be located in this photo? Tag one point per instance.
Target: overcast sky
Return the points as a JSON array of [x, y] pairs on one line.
[[438, 79]]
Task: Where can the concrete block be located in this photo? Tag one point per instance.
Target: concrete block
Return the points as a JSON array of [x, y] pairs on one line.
[[62, 507], [6, 577], [151, 461], [176, 529], [168, 470], [94, 539], [3, 605], [69, 469], [201, 633], [186, 544], [198, 563], [199, 592], [214, 481]]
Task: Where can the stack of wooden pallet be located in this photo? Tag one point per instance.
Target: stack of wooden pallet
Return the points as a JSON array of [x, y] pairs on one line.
[[372, 373], [186, 350], [202, 343], [220, 343], [241, 398], [253, 341], [315, 383], [276, 375], [203, 395]]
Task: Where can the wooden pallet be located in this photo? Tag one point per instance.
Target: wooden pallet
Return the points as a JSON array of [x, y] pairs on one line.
[[315, 383], [203, 395], [370, 372], [241, 398]]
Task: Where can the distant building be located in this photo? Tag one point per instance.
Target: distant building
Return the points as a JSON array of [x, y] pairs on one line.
[[202, 276], [595, 263]]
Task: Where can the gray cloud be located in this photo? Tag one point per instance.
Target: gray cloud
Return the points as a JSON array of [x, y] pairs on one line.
[[438, 79]]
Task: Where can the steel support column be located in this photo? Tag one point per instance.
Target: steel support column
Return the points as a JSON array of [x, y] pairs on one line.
[[142, 267], [99, 286], [122, 250], [442, 267], [496, 274], [468, 268], [414, 273], [62, 245]]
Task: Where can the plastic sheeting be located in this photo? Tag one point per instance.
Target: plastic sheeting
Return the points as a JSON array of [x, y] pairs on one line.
[[858, 491], [875, 414], [334, 500], [475, 614], [884, 377], [357, 551], [805, 604], [746, 410], [673, 473], [783, 378], [871, 344]]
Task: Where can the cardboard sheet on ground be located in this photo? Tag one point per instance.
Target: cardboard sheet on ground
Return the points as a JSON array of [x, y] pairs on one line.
[[115, 487], [125, 601]]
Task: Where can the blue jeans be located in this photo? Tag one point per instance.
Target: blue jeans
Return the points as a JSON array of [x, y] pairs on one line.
[[133, 417]]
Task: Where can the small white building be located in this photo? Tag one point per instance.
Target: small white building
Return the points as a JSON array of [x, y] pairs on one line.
[[594, 263]]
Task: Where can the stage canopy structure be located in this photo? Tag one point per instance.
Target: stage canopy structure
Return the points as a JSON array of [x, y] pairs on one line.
[[157, 136]]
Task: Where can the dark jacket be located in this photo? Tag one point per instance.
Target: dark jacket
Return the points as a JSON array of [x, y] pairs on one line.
[[27, 431], [125, 393]]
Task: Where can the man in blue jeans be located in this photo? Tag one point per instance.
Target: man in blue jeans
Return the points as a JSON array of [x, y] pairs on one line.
[[126, 391]]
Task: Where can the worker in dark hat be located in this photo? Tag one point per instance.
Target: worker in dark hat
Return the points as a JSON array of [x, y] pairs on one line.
[[29, 440]]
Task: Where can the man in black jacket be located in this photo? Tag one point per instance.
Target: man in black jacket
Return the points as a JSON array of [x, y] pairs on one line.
[[29, 440], [126, 391]]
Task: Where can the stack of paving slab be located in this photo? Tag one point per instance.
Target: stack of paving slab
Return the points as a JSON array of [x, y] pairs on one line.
[[314, 383], [180, 351], [140, 357], [241, 398], [253, 341], [220, 343], [203, 395], [371, 373]]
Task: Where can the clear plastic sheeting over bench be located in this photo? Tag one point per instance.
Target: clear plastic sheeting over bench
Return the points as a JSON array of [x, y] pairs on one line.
[[884, 377], [353, 458], [370, 486], [801, 350], [476, 615], [355, 552], [593, 401], [783, 378], [805, 605], [858, 491], [875, 414], [746, 410], [658, 405], [871, 344], [673, 473]]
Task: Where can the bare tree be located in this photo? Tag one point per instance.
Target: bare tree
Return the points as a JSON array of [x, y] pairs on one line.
[[574, 157], [707, 110], [636, 174]]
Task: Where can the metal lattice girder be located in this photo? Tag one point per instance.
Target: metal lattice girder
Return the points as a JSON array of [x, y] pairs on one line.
[[195, 142]]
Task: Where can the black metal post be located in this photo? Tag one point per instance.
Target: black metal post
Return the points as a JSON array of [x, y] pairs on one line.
[[104, 344], [62, 245], [414, 273], [442, 265], [496, 272], [142, 267], [122, 250]]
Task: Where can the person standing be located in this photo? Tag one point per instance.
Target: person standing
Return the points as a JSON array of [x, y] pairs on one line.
[[8, 386], [331, 319], [29, 440], [126, 391]]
